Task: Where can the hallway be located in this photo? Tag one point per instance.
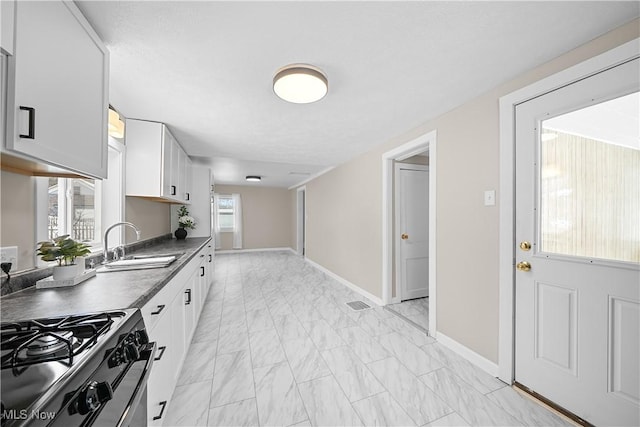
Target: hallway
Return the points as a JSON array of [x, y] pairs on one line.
[[277, 345]]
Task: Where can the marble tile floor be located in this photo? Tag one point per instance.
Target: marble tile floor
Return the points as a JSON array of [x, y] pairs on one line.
[[413, 310], [276, 345]]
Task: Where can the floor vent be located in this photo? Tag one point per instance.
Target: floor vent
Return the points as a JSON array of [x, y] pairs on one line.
[[358, 305]]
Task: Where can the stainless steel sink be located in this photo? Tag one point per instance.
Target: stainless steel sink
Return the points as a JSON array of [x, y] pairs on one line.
[[175, 254], [140, 262]]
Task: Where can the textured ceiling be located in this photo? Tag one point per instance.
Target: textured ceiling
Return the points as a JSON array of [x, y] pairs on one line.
[[205, 68]]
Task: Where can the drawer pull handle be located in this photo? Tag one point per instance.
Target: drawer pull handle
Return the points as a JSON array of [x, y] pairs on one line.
[[188, 196], [188, 301], [160, 308], [202, 272], [162, 348], [173, 190], [32, 123], [210, 257], [164, 405]]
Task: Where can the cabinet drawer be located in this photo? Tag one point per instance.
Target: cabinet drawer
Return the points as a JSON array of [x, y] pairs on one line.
[[155, 309]]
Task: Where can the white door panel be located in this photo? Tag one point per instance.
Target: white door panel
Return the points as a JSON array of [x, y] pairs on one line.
[[578, 205], [413, 224]]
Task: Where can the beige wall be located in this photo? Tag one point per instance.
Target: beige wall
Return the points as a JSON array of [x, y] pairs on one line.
[[345, 219], [17, 215], [293, 225], [153, 218], [267, 217]]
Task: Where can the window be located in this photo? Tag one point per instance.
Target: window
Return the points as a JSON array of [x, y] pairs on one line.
[[82, 207], [73, 208], [226, 213]]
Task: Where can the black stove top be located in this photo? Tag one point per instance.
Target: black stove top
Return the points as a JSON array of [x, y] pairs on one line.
[[46, 361], [55, 339]]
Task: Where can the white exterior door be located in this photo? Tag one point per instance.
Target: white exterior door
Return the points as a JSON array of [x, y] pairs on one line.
[[577, 251], [412, 240]]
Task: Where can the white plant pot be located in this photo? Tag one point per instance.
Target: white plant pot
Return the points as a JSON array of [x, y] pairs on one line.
[[65, 272]]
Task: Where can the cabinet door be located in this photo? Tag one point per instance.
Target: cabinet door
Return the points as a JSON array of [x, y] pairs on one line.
[[186, 176], [169, 189], [177, 168], [210, 269], [191, 296], [58, 89], [178, 334], [6, 26], [202, 282], [160, 385]]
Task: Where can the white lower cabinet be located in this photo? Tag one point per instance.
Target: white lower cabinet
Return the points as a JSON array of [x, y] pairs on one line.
[[171, 317], [159, 387], [190, 314]]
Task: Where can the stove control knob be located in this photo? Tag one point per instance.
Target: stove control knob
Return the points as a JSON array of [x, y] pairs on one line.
[[104, 392], [131, 352], [93, 396], [142, 337]]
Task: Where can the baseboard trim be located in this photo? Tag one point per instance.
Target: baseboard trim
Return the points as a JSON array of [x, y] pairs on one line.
[[240, 251], [347, 283], [473, 357]]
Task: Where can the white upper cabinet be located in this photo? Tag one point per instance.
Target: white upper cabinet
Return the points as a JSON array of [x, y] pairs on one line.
[[57, 95], [156, 163], [7, 8]]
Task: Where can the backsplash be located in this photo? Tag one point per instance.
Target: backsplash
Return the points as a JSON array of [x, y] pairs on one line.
[[26, 279]]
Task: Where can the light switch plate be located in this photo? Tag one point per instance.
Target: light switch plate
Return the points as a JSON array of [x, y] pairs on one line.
[[490, 198]]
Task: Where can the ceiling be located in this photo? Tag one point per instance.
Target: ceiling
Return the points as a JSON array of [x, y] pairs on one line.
[[205, 69]]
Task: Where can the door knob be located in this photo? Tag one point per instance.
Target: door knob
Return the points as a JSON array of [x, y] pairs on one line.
[[404, 236], [523, 266], [525, 246]]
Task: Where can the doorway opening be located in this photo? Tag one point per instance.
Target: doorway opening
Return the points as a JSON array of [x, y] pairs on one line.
[[409, 257], [411, 239], [301, 220]]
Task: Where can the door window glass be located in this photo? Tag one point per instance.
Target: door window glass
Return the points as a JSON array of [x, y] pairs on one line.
[[590, 181]]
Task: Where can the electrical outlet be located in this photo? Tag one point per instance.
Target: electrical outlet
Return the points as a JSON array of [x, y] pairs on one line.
[[9, 254]]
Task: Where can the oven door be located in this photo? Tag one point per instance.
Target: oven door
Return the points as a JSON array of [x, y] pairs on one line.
[[113, 397], [129, 403]]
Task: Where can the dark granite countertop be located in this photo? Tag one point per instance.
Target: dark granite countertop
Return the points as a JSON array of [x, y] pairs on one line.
[[105, 291]]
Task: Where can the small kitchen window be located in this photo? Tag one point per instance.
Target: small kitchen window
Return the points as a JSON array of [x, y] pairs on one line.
[[82, 207], [73, 208]]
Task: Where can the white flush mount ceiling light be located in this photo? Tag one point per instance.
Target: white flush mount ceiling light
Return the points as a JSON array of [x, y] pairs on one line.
[[253, 178], [300, 83]]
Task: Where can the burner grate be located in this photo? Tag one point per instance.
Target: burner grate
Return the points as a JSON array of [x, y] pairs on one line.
[[45, 340]]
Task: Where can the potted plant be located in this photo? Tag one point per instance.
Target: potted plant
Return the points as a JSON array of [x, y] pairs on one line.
[[64, 250], [184, 221]]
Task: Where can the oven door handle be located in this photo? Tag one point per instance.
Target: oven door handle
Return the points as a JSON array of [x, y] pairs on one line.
[[148, 353]]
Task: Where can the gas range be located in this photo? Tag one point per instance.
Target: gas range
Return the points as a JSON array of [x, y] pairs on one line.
[[81, 369]]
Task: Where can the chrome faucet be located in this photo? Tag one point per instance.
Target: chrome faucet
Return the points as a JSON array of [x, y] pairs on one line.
[[105, 251]]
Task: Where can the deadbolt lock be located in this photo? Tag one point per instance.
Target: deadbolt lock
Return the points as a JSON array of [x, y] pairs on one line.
[[523, 266], [404, 236], [525, 246]]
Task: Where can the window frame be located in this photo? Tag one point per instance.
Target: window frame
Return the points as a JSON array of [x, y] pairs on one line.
[[232, 228], [116, 238]]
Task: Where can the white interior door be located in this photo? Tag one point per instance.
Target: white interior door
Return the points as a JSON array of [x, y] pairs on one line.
[[412, 230], [578, 246]]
